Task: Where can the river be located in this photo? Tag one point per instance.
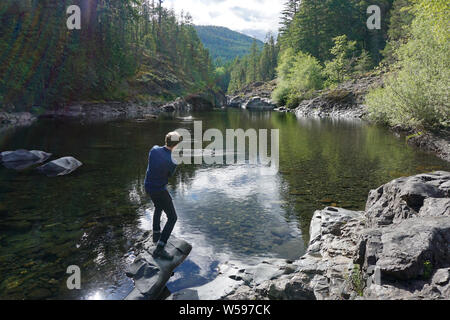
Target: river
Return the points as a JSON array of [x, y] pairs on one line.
[[227, 212]]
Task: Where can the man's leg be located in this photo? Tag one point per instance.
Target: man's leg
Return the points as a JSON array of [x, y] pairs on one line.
[[157, 223], [172, 218], [164, 202]]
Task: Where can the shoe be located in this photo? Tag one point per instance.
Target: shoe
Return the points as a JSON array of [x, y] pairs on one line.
[[156, 236], [161, 253]]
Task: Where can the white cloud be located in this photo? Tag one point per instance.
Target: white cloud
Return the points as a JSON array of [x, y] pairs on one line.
[[252, 17]]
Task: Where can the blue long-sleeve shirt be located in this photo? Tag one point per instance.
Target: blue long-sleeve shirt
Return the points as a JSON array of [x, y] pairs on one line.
[[161, 166]]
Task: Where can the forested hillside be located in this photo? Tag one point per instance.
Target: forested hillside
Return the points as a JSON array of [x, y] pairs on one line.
[[258, 65], [225, 44], [324, 43], [126, 49]]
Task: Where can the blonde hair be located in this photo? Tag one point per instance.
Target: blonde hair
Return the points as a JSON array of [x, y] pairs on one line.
[[173, 139]]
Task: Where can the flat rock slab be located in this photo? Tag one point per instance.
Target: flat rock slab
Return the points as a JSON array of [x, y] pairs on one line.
[[150, 275], [234, 275]]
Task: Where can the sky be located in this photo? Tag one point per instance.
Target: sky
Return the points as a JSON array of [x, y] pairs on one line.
[[252, 17]]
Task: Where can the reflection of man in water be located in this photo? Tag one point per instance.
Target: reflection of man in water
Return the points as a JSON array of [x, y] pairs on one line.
[[161, 166]]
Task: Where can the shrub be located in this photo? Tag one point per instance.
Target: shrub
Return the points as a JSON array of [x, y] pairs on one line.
[[341, 66], [299, 75], [416, 96]]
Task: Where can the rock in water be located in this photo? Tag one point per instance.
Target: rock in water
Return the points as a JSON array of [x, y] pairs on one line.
[[60, 167], [151, 275], [23, 159], [258, 103], [399, 248]]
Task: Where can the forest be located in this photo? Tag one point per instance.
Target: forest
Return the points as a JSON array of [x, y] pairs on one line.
[[324, 43], [139, 50], [125, 49]]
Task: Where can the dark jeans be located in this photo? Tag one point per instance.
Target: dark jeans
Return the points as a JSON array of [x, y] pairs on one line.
[[163, 202]]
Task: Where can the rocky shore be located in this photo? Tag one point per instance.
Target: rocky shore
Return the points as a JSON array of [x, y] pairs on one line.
[[107, 111], [15, 119], [254, 96], [344, 101], [439, 145], [398, 248]]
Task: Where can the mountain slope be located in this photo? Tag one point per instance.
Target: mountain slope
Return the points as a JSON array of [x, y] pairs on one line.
[[224, 43]]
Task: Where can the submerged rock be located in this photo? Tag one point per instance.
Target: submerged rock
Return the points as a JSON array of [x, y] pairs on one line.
[[150, 275], [23, 159], [60, 167]]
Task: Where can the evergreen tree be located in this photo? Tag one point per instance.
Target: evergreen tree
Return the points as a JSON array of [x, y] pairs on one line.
[[47, 65], [291, 8]]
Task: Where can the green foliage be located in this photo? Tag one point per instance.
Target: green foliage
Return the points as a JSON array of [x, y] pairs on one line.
[[225, 44], [364, 63], [427, 269], [299, 75], [341, 67], [259, 65], [417, 94], [399, 28], [291, 8], [357, 280], [222, 76], [317, 23]]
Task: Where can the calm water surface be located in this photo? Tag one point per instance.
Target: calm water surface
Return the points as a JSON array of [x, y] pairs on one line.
[[228, 212]]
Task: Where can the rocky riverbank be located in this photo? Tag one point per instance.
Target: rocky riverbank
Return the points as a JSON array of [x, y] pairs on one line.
[[15, 119], [107, 111], [254, 95], [398, 248], [102, 111], [437, 144], [344, 101]]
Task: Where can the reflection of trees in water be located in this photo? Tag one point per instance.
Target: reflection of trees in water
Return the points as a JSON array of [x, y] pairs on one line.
[[99, 207]]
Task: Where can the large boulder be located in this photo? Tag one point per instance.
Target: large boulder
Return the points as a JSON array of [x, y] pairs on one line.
[[150, 275], [398, 249], [60, 167], [235, 102], [201, 102], [23, 159], [258, 103], [322, 272], [406, 197], [408, 250], [178, 105]]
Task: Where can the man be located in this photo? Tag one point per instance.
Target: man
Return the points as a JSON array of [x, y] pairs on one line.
[[161, 166]]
